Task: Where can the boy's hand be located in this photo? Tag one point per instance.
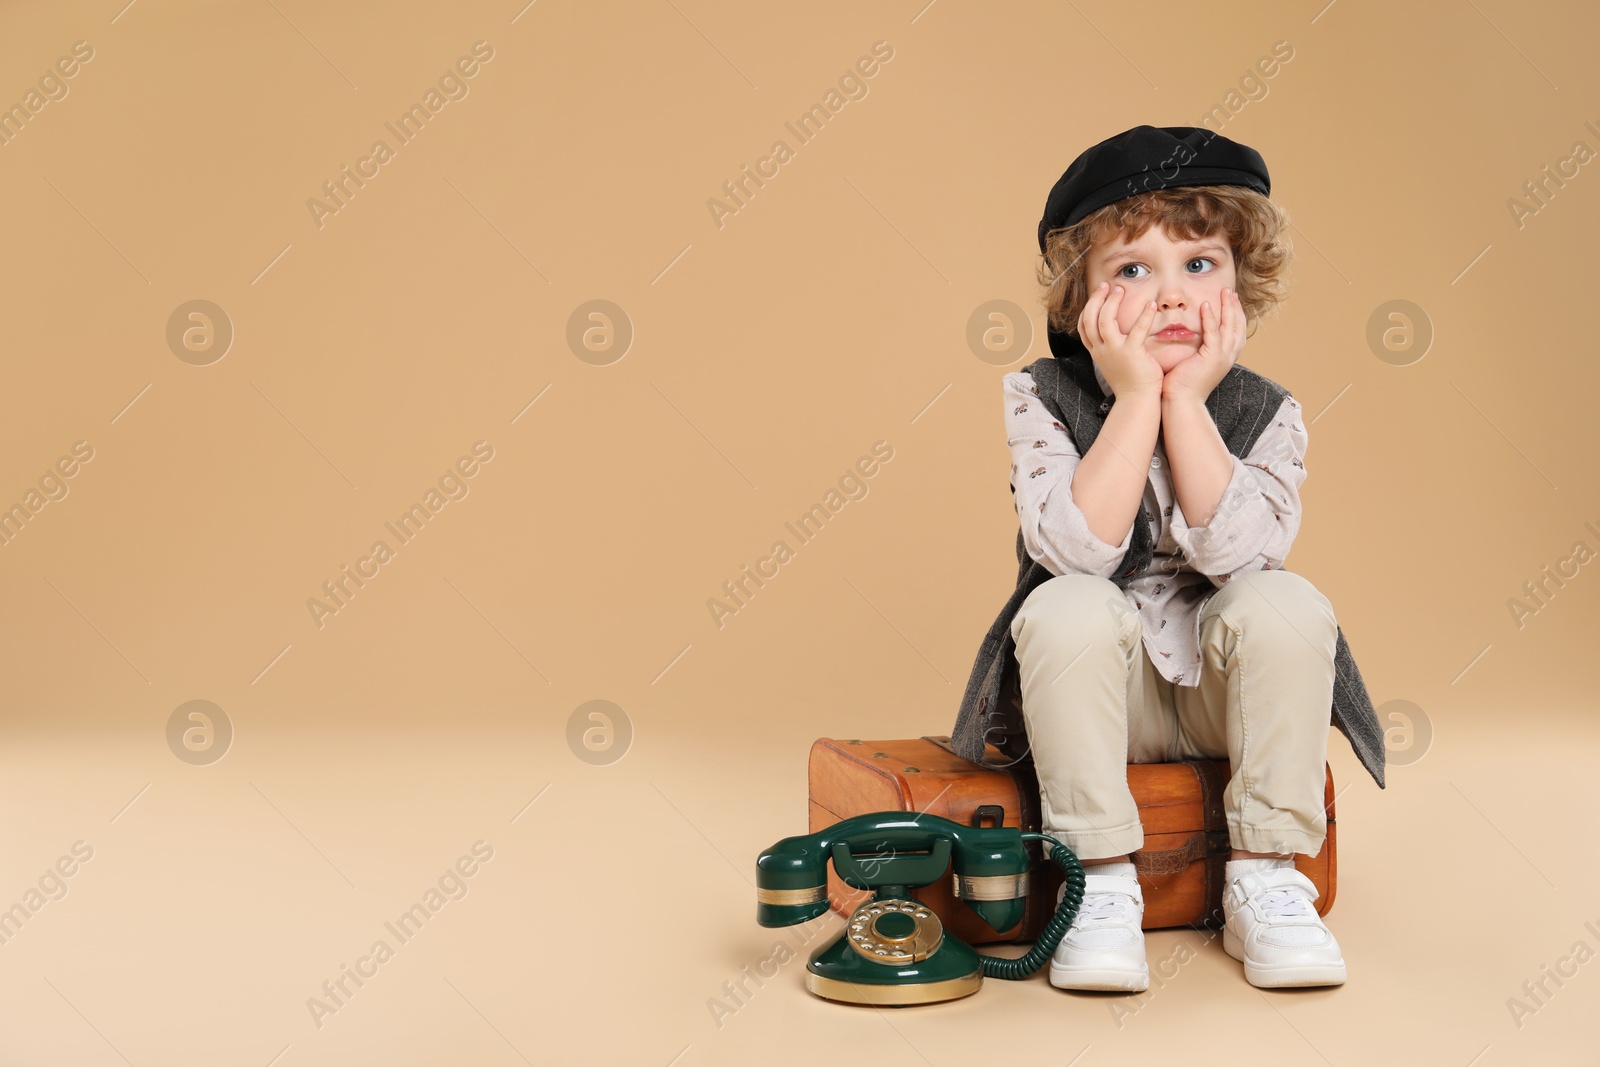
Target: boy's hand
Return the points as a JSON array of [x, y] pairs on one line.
[[1121, 357], [1220, 345]]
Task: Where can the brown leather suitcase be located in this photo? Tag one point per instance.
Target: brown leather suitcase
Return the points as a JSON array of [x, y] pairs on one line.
[[1180, 805]]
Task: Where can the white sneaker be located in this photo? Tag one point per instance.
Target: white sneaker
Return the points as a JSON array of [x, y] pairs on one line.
[[1104, 946], [1271, 926]]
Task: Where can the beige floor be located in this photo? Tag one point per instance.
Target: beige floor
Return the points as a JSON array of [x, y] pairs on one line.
[[218, 899]]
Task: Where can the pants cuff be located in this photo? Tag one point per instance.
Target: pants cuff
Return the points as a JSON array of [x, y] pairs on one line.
[[1098, 844], [1264, 839]]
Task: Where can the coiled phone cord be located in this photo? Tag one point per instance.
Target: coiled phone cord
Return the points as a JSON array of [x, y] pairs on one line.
[[1055, 929]]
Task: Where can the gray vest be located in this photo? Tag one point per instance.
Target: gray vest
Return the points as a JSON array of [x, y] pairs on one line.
[[1242, 405]]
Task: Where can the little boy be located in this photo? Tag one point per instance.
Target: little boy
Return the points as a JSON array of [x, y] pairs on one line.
[[1157, 486]]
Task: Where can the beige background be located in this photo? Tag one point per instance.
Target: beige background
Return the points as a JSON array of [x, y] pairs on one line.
[[829, 313]]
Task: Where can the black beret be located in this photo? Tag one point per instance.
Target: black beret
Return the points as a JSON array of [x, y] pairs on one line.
[[1146, 158]]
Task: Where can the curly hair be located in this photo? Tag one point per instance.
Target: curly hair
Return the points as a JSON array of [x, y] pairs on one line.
[[1254, 225]]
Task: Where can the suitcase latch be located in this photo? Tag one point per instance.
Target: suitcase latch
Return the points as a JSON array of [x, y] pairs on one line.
[[989, 811]]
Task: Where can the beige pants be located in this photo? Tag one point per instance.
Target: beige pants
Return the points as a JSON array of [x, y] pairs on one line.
[[1094, 702]]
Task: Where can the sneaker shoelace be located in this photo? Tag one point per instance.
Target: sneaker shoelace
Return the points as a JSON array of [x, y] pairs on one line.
[[1102, 907], [1285, 904]]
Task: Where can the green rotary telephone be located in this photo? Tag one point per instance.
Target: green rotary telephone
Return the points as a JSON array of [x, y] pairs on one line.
[[893, 950]]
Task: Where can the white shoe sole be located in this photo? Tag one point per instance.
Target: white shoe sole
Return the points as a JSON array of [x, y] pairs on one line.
[[1277, 975], [1101, 978]]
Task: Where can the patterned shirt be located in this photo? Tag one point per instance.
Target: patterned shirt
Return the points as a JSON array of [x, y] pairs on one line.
[[1252, 529]]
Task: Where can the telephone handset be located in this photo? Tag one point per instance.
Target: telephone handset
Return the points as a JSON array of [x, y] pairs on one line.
[[894, 950]]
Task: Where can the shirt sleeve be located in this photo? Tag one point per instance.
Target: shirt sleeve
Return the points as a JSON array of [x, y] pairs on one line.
[[1259, 513], [1043, 459]]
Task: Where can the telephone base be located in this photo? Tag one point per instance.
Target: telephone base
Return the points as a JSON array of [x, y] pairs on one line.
[[839, 972], [895, 996]]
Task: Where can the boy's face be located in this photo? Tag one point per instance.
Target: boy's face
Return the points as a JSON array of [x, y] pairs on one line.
[[1178, 275]]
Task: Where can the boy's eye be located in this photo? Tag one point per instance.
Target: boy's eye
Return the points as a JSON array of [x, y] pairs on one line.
[[1122, 271]]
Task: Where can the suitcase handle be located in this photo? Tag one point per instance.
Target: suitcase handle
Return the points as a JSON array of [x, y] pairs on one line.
[[984, 811]]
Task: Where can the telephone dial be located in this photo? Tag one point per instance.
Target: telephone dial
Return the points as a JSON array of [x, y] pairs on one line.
[[893, 949]]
